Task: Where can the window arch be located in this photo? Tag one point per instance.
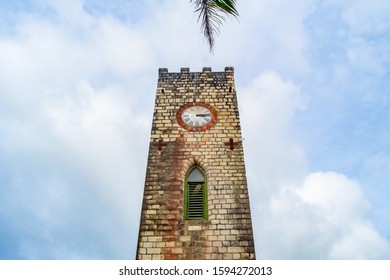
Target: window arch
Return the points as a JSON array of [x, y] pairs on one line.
[[195, 200]]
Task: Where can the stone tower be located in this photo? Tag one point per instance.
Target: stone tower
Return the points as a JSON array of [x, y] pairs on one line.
[[195, 203]]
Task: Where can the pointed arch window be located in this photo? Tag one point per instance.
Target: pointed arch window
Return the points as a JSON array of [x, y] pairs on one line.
[[195, 195]]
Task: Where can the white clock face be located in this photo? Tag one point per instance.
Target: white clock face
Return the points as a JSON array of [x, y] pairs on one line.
[[196, 116]]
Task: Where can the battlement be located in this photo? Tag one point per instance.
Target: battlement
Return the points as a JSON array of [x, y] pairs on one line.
[[163, 72], [185, 75]]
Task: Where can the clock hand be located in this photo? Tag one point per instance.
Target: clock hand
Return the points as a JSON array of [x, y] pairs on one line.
[[202, 115]]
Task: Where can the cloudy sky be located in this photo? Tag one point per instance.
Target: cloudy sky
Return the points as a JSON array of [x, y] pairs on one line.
[[77, 89]]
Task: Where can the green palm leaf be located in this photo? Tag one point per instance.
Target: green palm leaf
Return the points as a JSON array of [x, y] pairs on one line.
[[211, 14]]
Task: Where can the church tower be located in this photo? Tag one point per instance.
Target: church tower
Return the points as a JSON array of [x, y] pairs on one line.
[[195, 203]]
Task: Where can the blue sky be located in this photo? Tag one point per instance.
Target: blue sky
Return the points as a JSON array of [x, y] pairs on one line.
[[77, 89]]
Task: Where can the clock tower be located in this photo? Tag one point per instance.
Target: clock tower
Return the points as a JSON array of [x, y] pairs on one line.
[[195, 203]]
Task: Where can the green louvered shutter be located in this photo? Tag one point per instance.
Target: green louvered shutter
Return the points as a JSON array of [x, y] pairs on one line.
[[195, 210], [196, 195]]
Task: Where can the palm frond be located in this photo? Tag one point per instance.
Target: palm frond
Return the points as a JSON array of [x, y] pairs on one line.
[[227, 6], [212, 14]]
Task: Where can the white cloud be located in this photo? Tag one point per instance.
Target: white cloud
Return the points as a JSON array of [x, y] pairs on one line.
[[324, 218], [344, 211], [361, 241], [340, 198]]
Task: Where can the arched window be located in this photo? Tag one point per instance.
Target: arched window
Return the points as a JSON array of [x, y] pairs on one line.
[[195, 195]]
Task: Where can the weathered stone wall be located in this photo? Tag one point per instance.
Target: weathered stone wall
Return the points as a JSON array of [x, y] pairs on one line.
[[164, 233]]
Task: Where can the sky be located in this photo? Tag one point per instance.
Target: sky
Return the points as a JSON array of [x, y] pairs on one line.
[[77, 87]]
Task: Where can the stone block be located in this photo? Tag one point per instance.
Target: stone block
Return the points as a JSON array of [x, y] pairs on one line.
[[153, 251], [236, 250]]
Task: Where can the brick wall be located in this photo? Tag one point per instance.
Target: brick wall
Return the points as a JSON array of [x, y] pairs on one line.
[[164, 233]]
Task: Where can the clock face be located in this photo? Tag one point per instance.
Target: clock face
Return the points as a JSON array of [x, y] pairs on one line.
[[197, 116]]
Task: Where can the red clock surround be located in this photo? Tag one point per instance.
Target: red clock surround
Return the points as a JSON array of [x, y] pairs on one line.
[[200, 128]]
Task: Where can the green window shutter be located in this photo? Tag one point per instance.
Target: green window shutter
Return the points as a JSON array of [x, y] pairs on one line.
[[195, 201], [195, 195]]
